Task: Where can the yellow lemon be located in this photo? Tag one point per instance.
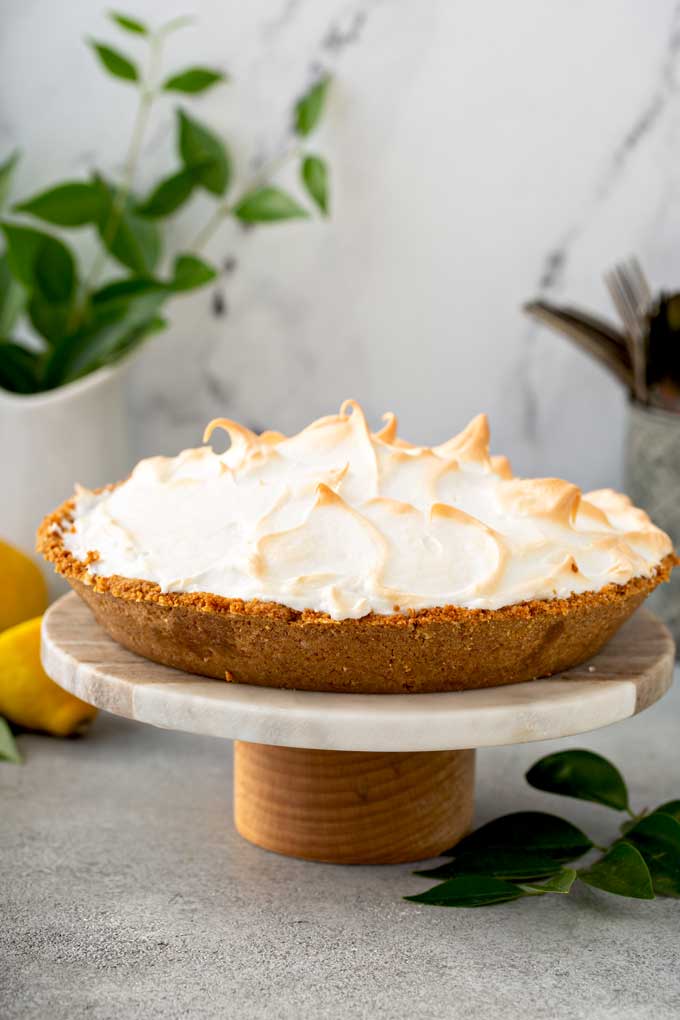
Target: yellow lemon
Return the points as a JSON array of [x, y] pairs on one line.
[[27, 695], [23, 592]]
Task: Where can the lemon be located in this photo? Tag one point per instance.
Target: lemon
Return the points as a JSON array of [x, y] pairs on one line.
[[27, 695], [23, 592]]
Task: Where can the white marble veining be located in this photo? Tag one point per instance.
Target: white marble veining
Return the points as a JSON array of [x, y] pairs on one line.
[[482, 154], [632, 672]]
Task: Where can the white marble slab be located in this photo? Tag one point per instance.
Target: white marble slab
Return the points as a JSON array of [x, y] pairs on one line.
[[631, 673]]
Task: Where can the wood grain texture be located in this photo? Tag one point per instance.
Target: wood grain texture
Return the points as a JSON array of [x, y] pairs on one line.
[[352, 807]]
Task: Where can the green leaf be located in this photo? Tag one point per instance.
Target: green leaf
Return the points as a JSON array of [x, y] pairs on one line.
[[267, 205], [133, 240], [621, 871], [191, 272], [55, 272], [559, 883], [50, 319], [535, 831], [657, 837], [168, 195], [115, 62], [134, 337], [22, 246], [8, 747], [6, 173], [121, 314], [156, 325], [40, 262], [129, 24], [671, 807], [72, 204], [12, 298], [314, 173], [309, 108], [513, 865], [580, 774], [115, 295], [194, 79], [469, 891], [203, 153], [18, 368]]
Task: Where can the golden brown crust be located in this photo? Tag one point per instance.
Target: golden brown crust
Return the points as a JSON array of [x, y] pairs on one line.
[[266, 643]]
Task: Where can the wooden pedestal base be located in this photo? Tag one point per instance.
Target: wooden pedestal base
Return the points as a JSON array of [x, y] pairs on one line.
[[352, 807], [378, 805]]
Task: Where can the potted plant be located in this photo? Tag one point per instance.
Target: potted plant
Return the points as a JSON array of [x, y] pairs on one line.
[[644, 358], [67, 330]]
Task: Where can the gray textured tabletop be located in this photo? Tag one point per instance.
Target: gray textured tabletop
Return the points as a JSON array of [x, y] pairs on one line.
[[126, 893]]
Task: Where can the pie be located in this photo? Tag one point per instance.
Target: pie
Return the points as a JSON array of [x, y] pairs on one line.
[[341, 559]]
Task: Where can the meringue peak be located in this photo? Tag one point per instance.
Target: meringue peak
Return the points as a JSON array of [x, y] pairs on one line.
[[347, 521]]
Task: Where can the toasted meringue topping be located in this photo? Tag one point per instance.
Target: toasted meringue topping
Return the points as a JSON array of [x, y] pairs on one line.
[[347, 522]]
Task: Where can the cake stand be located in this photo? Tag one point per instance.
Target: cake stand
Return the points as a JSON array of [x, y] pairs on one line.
[[356, 778]]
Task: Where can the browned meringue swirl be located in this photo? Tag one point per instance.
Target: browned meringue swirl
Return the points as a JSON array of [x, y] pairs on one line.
[[347, 521]]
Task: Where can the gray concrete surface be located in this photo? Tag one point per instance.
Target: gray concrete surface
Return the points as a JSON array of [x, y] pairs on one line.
[[126, 893]]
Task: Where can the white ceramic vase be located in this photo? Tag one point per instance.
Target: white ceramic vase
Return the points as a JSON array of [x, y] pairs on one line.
[[48, 441]]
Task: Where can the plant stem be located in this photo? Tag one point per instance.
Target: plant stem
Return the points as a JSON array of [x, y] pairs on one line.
[[224, 209], [636, 817], [219, 213], [268, 170], [147, 95]]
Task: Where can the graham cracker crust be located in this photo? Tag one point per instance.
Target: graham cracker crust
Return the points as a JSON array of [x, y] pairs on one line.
[[446, 648]]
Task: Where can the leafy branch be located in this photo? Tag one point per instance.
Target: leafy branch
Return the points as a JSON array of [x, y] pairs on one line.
[[76, 324], [530, 853]]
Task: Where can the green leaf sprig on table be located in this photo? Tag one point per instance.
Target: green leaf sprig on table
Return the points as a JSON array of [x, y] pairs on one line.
[[8, 748], [531, 853], [60, 320]]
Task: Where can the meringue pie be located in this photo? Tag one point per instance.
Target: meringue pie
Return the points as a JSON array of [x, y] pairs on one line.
[[349, 560]]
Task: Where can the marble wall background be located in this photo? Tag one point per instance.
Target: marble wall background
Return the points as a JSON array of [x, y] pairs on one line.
[[482, 153]]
